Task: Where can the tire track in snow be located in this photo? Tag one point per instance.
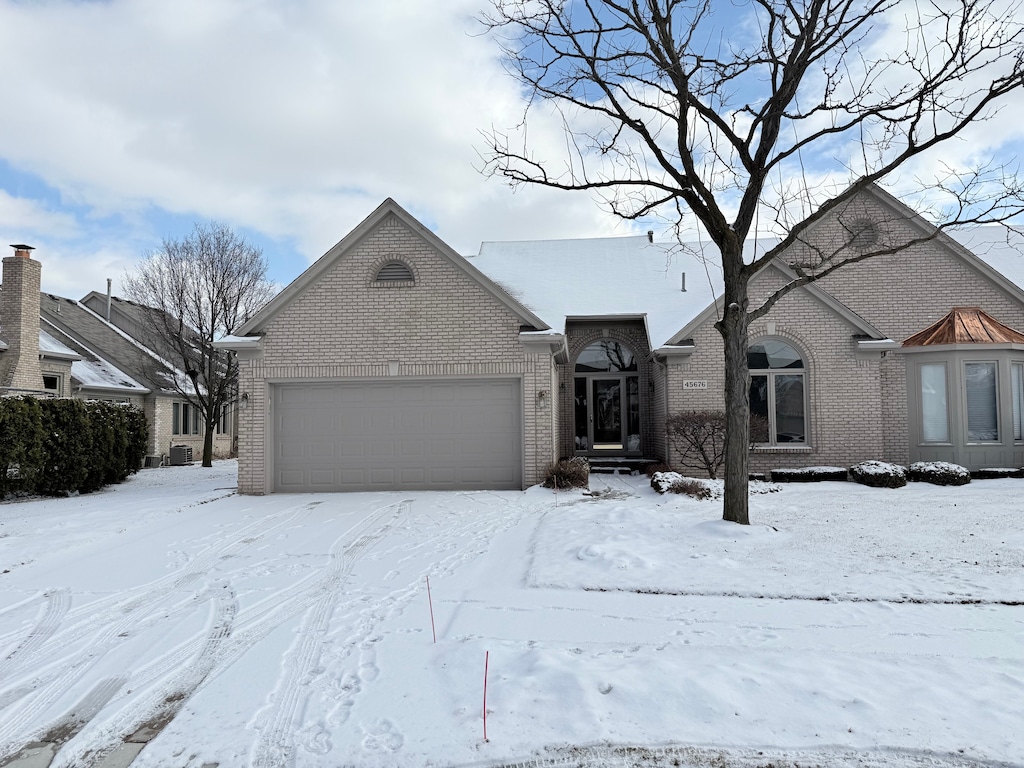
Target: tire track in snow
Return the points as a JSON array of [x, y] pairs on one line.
[[117, 615], [113, 621], [276, 743], [58, 602], [159, 706], [196, 662]]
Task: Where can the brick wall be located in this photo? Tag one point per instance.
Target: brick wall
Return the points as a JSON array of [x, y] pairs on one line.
[[346, 326], [844, 397], [906, 292]]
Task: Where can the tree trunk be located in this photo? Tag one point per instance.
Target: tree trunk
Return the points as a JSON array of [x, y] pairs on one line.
[[733, 327], [208, 444]]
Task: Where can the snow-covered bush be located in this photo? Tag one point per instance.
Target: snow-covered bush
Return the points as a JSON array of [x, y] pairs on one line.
[[673, 482], [568, 473], [879, 474], [808, 474], [939, 473]]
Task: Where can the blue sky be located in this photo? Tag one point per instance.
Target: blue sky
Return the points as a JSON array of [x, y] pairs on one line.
[[126, 121]]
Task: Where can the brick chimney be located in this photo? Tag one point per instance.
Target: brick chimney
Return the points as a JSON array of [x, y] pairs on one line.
[[19, 321]]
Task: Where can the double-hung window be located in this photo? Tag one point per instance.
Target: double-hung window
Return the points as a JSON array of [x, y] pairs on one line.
[[982, 402], [185, 419]]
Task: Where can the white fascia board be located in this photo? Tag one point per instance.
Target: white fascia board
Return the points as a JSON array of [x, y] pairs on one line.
[[244, 347], [239, 342], [542, 342], [675, 350]]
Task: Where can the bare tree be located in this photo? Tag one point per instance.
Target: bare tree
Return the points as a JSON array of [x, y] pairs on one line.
[[718, 110], [198, 289]]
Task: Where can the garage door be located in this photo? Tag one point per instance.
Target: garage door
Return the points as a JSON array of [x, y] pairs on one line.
[[410, 435]]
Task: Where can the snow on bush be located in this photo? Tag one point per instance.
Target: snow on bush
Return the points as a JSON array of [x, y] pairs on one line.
[[879, 474], [939, 473], [698, 488], [808, 474]]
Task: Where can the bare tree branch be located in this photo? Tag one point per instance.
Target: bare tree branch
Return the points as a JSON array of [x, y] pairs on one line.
[[710, 109], [194, 291]]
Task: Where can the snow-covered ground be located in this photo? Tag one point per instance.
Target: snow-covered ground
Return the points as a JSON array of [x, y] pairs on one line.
[[847, 626]]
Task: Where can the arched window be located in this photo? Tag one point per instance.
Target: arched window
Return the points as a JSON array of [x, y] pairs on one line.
[[605, 356], [607, 400], [394, 272], [778, 393]]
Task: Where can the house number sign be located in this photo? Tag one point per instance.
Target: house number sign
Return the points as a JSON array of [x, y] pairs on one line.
[[695, 384]]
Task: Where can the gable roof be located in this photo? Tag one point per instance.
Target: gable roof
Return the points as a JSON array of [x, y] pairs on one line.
[[110, 358], [965, 325], [389, 207]]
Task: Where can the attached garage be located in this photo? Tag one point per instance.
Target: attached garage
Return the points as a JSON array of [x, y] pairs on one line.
[[377, 435]]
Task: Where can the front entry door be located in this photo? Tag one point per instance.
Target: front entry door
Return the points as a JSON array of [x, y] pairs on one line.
[[607, 414]]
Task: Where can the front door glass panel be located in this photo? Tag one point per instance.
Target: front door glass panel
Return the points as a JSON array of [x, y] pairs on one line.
[[581, 415], [607, 399]]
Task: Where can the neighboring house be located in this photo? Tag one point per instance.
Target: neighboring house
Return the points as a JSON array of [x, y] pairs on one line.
[[58, 347], [395, 363]]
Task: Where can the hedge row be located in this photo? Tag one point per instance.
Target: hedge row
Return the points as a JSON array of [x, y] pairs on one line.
[[58, 447]]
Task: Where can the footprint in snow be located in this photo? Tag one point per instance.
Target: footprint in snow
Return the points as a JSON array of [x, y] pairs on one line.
[[381, 736]]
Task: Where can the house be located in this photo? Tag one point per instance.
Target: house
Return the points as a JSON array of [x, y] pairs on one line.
[[395, 363], [93, 349]]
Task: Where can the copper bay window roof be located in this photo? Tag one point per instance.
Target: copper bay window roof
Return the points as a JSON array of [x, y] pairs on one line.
[[965, 325]]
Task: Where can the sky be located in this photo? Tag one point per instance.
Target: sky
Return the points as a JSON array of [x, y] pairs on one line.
[[126, 121], [847, 626]]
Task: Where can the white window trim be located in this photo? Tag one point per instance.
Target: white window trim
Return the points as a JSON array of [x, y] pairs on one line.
[[998, 403], [920, 396]]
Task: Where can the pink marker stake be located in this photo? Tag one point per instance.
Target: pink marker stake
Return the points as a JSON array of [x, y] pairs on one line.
[[487, 659], [430, 602]]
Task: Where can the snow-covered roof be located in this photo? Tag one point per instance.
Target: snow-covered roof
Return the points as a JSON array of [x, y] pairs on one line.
[[89, 369], [50, 346], [608, 277], [634, 277], [999, 247], [99, 374]]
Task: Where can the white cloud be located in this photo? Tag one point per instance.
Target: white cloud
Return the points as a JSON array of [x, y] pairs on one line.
[[25, 219], [293, 119], [290, 118]]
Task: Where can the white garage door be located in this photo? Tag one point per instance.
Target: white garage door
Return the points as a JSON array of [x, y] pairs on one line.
[[409, 435]]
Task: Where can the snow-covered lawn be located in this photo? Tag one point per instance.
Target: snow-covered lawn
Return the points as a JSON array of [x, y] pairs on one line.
[[847, 626]]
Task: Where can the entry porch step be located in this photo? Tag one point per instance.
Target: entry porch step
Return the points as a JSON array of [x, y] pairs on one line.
[[612, 465]]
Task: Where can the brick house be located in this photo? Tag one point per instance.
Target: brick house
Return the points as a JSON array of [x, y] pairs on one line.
[[395, 363], [94, 349]]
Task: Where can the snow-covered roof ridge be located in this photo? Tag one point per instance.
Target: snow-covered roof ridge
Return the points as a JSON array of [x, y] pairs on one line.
[[666, 283], [93, 370]]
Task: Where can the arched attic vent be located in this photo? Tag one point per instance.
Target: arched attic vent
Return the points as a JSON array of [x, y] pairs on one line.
[[394, 272]]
